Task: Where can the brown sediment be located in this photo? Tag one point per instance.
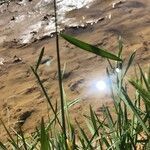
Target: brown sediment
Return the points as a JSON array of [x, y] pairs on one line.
[[19, 91]]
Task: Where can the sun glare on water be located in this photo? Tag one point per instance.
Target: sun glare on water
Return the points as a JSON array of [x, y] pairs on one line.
[[101, 85]]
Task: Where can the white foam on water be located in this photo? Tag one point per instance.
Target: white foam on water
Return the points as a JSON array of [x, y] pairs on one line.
[[20, 18], [2, 61], [2, 39], [68, 5], [24, 2], [43, 3], [28, 34], [64, 6]]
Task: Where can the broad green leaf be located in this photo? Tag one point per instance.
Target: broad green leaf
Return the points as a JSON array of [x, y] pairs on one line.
[[90, 48]]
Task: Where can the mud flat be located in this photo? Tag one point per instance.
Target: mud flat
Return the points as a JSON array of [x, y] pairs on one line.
[[99, 23]]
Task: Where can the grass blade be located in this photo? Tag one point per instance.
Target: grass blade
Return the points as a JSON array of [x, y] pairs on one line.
[[2, 146], [12, 141], [120, 46], [144, 78], [145, 94], [130, 62], [40, 58], [46, 95], [23, 139], [129, 104], [90, 48], [44, 137], [84, 136]]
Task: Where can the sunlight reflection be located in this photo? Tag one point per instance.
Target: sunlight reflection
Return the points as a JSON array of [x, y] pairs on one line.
[[101, 85]]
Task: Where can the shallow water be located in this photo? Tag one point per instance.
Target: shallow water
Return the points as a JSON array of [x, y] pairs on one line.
[[30, 21], [24, 22]]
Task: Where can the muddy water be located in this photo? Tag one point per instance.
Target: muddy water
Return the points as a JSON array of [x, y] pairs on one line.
[[99, 22], [24, 22]]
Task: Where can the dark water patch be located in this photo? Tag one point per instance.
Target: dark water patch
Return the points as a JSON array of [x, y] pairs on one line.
[[22, 118], [120, 31], [134, 4], [78, 30]]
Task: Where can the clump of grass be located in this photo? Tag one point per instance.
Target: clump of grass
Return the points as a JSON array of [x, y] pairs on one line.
[[127, 128]]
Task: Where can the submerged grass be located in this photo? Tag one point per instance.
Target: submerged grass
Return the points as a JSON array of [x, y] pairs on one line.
[[127, 128]]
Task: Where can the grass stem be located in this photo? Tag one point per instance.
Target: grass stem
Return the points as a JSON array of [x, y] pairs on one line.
[[60, 74]]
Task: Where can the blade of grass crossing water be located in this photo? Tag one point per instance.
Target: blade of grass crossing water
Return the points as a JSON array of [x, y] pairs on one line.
[[2, 146], [94, 137], [39, 60], [129, 62], [84, 136], [104, 134], [46, 95], [63, 119], [120, 46], [69, 104], [95, 126], [23, 139], [82, 142], [11, 140], [90, 48], [93, 120], [149, 74]]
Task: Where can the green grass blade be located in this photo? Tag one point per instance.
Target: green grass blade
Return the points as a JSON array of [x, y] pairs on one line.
[[40, 58], [23, 139], [46, 95], [130, 62], [149, 75], [44, 137], [111, 126], [84, 136], [145, 94], [12, 141], [69, 104], [73, 137], [90, 48], [82, 142], [120, 46], [2, 146], [93, 137], [93, 121], [144, 78], [130, 105]]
